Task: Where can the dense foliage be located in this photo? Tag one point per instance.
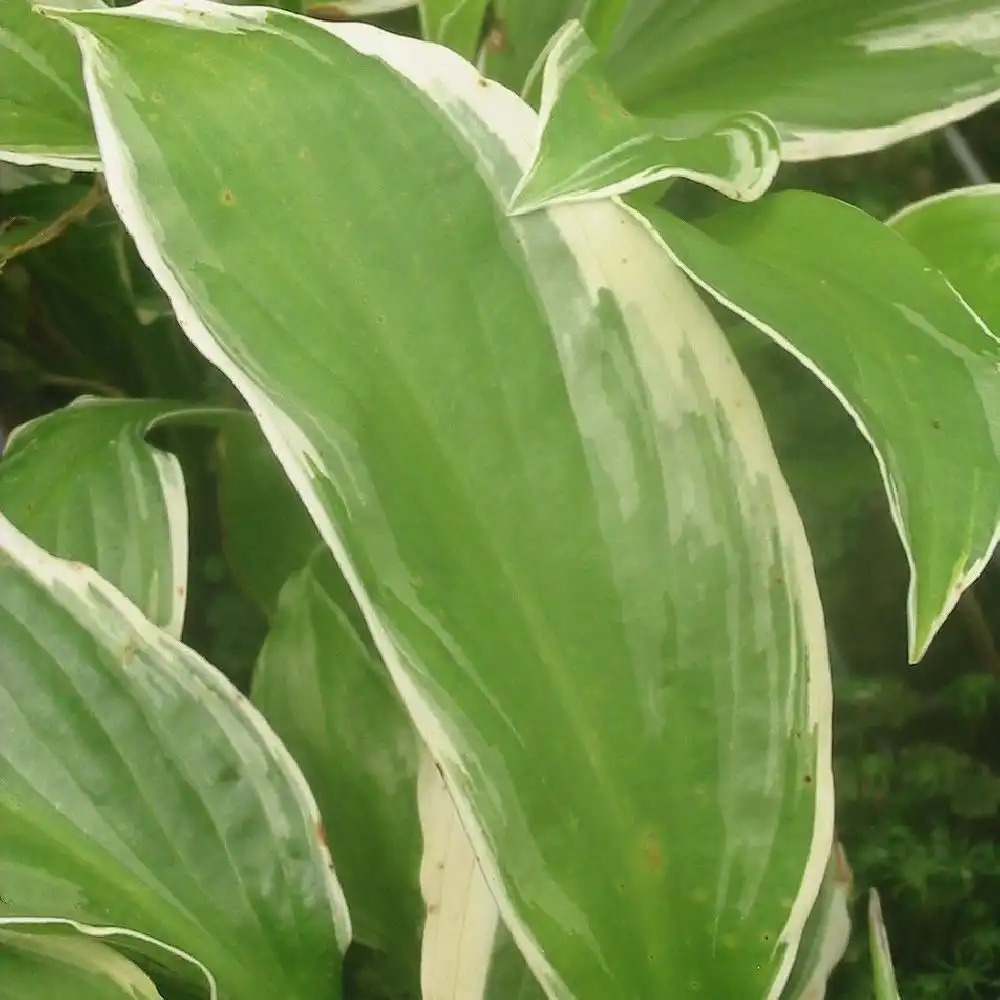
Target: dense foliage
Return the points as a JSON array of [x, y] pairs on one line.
[[449, 629]]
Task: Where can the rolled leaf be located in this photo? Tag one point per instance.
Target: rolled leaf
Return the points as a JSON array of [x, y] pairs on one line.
[[838, 77], [591, 147], [959, 233], [35, 967], [536, 461], [913, 365], [142, 796], [322, 687], [84, 484], [43, 108]]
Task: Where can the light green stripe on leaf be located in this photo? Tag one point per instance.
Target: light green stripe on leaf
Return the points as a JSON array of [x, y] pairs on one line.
[[538, 466], [913, 365], [455, 23], [883, 973]]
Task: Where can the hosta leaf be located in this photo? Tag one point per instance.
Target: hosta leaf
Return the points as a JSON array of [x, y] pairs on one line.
[[959, 232], [878, 939], [266, 532], [887, 335], [837, 76], [322, 687], [140, 791], [84, 484], [590, 147], [455, 23], [43, 108], [35, 967], [538, 465]]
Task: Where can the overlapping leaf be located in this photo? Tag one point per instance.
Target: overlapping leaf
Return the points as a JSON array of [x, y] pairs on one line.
[[837, 76], [590, 147], [538, 466], [327, 695], [84, 484], [43, 108], [887, 335], [34, 967], [139, 791]]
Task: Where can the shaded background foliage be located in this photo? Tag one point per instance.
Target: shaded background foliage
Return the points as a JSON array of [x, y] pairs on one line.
[[917, 748]]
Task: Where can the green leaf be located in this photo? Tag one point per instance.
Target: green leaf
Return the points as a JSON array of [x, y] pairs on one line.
[[266, 532], [38, 214], [591, 147], [959, 233], [838, 77], [882, 970], [35, 967], [322, 687], [142, 795], [43, 108], [888, 336], [120, 505], [536, 461], [455, 23]]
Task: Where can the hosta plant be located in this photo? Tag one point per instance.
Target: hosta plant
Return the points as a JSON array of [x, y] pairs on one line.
[[543, 707]]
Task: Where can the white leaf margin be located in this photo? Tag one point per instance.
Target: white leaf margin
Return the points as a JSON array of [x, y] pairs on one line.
[[458, 90]]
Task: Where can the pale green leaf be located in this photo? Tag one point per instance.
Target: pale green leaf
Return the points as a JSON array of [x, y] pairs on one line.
[[320, 684], [590, 147], [838, 77], [536, 461], [35, 967], [266, 532], [959, 233], [84, 484], [917, 370], [140, 793], [455, 23], [882, 970], [43, 108]]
